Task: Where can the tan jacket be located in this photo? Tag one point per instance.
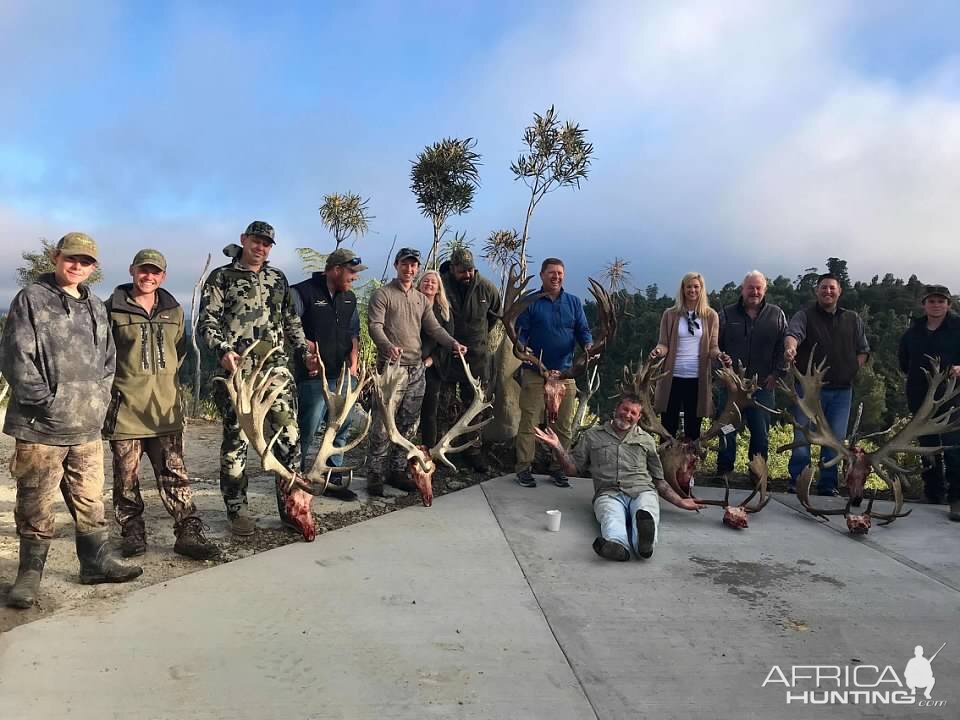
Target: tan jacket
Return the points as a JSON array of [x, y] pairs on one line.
[[397, 317], [709, 351]]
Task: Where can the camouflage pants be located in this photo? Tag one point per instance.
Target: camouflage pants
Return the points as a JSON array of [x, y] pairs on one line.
[[166, 456], [382, 456], [282, 418], [40, 469]]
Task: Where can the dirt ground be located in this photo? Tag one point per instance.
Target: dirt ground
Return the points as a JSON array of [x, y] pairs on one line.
[[61, 590]]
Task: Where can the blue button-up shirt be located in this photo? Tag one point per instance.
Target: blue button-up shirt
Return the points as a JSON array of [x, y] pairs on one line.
[[553, 328]]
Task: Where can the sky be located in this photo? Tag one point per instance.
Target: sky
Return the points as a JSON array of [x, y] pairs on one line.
[[728, 134]]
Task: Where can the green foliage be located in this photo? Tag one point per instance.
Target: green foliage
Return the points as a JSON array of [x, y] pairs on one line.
[[368, 350], [345, 214], [558, 155], [311, 260], [443, 179], [38, 263]]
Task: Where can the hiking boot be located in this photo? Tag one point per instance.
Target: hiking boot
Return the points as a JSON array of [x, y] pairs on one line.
[[559, 479], [400, 481], [477, 462], [134, 538], [610, 550], [241, 524], [190, 540], [33, 555], [525, 479], [646, 533], [97, 563], [374, 485], [954, 513]]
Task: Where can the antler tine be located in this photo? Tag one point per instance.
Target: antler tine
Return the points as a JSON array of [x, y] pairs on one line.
[[463, 426], [718, 503], [515, 302], [607, 317], [386, 392], [643, 384], [339, 407], [897, 489], [758, 469], [803, 495]]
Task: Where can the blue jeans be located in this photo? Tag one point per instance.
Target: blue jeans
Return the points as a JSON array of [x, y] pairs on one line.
[[312, 413], [615, 513], [757, 422], [836, 407]]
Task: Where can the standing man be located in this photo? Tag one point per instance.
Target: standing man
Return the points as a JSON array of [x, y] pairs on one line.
[[248, 303], [627, 476], [831, 333], [551, 327], [475, 304], [331, 322], [397, 313], [752, 332], [935, 335], [58, 356], [145, 414]]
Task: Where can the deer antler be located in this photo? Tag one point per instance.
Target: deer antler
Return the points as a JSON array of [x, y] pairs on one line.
[[735, 516], [387, 391], [817, 431], [463, 426], [739, 397], [515, 302], [339, 406], [253, 395], [642, 383], [933, 417], [583, 401], [608, 328]]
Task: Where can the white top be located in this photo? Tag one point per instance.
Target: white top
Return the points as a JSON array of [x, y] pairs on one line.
[[687, 364]]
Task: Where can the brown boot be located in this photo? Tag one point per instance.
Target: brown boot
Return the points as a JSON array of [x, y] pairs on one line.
[[33, 556], [134, 536], [191, 542]]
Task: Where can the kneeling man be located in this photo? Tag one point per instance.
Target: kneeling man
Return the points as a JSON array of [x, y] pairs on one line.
[[627, 476]]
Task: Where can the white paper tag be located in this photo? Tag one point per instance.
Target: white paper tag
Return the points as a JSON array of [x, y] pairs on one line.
[[727, 429]]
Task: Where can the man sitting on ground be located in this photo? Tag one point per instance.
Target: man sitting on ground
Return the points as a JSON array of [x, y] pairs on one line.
[[627, 476]]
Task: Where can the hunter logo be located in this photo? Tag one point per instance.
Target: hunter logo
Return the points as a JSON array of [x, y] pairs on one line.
[[859, 684]]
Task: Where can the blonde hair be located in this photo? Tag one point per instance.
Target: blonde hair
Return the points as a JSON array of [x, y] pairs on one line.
[[702, 305], [441, 297]]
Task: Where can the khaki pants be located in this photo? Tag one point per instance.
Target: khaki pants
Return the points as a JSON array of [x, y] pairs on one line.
[[531, 415], [40, 469]]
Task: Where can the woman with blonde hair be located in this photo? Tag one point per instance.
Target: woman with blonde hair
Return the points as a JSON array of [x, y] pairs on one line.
[[435, 357], [689, 332]]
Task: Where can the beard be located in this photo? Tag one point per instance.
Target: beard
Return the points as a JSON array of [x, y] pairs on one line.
[[622, 425]]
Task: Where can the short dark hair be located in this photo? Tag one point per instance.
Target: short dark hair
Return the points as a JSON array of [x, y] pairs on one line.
[[630, 398], [550, 261], [827, 276]]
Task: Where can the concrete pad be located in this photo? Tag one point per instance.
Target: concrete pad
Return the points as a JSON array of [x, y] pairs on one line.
[[419, 613], [926, 539], [695, 631]]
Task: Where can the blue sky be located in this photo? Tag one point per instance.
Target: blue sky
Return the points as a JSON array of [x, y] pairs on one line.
[[728, 135]]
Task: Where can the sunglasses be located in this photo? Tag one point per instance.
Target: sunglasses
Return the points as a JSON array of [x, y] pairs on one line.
[[351, 263], [83, 260]]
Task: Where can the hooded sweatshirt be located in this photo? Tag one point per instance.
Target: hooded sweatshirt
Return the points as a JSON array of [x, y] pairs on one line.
[[58, 355]]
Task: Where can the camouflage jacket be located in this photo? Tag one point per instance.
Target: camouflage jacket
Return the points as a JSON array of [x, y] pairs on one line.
[[150, 349], [58, 355], [240, 308]]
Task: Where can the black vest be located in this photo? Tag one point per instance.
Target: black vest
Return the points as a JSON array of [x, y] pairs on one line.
[[835, 337], [326, 321]]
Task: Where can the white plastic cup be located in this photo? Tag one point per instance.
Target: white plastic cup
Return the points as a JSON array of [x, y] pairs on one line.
[[553, 520]]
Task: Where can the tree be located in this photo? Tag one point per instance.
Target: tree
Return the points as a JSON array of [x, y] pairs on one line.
[[443, 179], [839, 268], [558, 155], [617, 276], [38, 263], [501, 249], [345, 214]]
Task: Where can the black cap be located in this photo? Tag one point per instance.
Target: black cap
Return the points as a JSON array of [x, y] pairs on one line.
[[930, 290]]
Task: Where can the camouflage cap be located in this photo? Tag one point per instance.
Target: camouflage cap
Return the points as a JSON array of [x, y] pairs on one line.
[[76, 243], [261, 229], [931, 290], [345, 256], [462, 257], [148, 256]]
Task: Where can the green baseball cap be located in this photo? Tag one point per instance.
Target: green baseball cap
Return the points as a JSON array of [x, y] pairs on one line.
[[148, 256], [261, 229], [462, 257], [345, 256], [77, 243]]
